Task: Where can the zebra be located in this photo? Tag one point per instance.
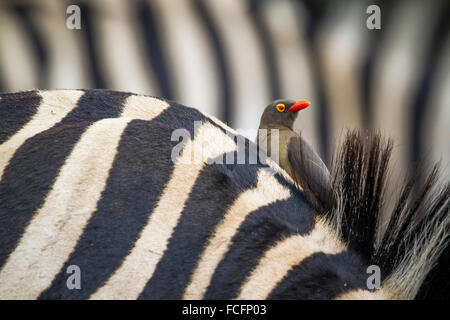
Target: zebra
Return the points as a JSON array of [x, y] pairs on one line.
[[87, 180]]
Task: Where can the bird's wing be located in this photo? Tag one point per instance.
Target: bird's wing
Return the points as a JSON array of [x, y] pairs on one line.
[[311, 173]]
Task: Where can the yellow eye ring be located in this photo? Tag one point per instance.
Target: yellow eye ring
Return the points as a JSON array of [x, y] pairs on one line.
[[281, 107]]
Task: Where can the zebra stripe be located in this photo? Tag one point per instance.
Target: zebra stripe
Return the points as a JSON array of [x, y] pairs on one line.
[[19, 116], [89, 150], [56, 227], [53, 107], [202, 211], [95, 188], [282, 257], [358, 294], [58, 110], [143, 108], [280, 220], [123, 210], [152, 242], [267, 191]]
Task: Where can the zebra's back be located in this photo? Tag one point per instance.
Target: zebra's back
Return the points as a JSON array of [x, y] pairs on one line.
[[89, 179]]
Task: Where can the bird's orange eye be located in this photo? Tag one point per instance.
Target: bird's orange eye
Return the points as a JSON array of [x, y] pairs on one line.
[[281, 107]]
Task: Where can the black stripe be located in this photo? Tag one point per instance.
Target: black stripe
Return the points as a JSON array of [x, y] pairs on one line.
[[97, 104], [315, 13], [422, 94], [227, 98], [375, 44], [33, 168], [256, 8], [322, 276], [216, 188], [39, 49], [140, 171], [16, 109], [213, 192], [180, 116], [155, 47], [89, 33], [260, 230]]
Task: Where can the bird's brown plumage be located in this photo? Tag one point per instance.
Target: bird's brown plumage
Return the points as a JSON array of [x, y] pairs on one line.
[[293, 153]]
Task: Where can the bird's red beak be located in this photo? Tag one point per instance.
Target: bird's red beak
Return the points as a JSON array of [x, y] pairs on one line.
[[299, 105]]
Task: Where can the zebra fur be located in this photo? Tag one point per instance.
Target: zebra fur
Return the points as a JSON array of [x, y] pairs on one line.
[[93, 185]]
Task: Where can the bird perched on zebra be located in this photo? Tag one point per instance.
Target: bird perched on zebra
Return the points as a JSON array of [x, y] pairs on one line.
[[89, 185], [277, 137]]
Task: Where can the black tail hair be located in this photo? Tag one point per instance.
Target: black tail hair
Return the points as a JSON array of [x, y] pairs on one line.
[[413, 253]]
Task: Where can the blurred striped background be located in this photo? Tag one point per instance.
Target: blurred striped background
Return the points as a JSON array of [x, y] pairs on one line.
[[230, 58]]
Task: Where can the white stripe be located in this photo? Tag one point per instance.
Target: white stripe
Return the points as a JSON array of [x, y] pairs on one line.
[[287, 253], [190, 53], [54, 106], [246, 61], [143, 107], [359, 294], [130, 278], [56, 227], [267, 190]]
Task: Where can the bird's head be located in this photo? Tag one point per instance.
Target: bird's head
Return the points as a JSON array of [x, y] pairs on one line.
[[282, 113]]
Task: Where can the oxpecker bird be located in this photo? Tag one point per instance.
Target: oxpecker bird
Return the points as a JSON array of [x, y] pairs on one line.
[[293, 153]]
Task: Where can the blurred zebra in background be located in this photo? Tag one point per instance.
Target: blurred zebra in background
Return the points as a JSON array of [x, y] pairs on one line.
[[229, 58]]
